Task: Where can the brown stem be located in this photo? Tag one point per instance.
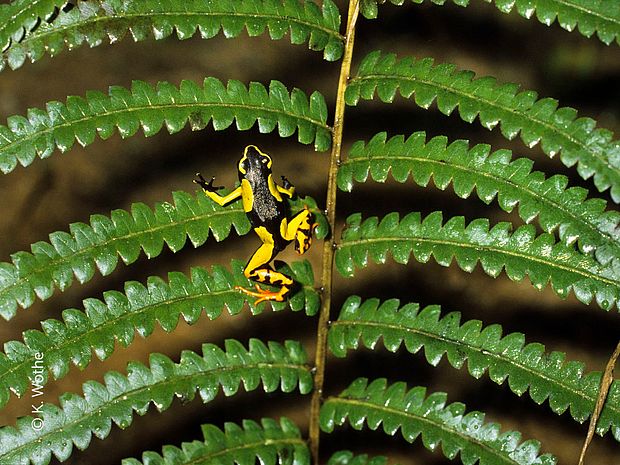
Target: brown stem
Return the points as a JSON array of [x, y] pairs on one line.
[[329, 245], [606, 380]]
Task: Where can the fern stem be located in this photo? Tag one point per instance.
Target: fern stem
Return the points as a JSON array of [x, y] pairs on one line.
[[329, 246], [606, 380]]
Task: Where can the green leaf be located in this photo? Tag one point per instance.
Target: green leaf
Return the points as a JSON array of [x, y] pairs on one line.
[[271, 443], [119, 316], [22, 16], [80, 119], [525, 367], [370, 9], [416, 414], [520, 253], [492, 175], [98, 245], [345, 457], [99, 21], [577, 140], [589, 16], [275, 366]]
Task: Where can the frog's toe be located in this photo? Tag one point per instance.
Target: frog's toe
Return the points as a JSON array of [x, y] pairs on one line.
[[265, 294]]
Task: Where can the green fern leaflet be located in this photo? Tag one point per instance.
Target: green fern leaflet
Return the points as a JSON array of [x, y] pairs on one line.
[[588, 16], [123, 234], [492, 175], [521, 253], [275, 366], [21, 16], [416, 414], [272, 443], [345, 457], [525, 367], [119, 316], [97, 21], [81, 119], [558, 130]]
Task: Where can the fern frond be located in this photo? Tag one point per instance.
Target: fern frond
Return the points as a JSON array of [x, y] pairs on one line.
[[22, 16], [577, 140], [521, 253], [123, 234], [492, 175], [81, 119], [272, 443], [110, 20], [120, 315], [415, 414], [78, 418], [588, 16], [526, 367], [345, 457]]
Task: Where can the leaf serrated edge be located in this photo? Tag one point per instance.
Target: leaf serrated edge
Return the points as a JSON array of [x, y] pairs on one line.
[[123, 234], [271, 442], [82, 119], [365, 322], [119, 316], [273, 365], [569, 15], [576, 140], [20, 16], [584, 221], [519, 253], [415, 413], [319, 27], [346, 457]]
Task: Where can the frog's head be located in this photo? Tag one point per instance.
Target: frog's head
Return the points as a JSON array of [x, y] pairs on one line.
[[254, 160]]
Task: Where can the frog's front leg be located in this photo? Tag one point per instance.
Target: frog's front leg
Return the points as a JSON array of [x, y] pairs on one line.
[[211, 191], [299, 229], [258, 270]]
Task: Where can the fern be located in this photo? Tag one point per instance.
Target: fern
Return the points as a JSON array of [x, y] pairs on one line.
[[81, 119], [78, 418], [493, 175], [21, 16], [123, 234], [524, 366], [119, 316], [584, 258], [271, 443], [600, 16], [100, 20], [521, 253], [417, 414], [557, 129], [345, 457]]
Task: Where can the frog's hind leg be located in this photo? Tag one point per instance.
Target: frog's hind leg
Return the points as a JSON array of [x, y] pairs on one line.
[[258, 269], [299, 229]]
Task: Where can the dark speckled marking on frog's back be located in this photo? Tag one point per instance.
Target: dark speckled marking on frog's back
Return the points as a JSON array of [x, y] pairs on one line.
[[266, 209]]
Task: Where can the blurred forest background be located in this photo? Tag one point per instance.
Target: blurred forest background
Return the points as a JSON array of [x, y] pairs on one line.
[[50, 194]]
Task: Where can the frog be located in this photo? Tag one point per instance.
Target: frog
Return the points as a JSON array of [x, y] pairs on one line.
[[264, 203]]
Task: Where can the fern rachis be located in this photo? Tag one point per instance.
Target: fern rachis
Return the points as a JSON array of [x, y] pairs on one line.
[[569, 243]]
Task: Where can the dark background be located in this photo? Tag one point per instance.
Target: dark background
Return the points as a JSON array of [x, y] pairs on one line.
[[112, 174]]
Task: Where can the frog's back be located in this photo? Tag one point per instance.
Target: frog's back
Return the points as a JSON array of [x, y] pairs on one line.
[[265, 207], [267, 211]]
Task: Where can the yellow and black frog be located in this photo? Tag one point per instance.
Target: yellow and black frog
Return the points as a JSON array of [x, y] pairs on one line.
[[268, 212]]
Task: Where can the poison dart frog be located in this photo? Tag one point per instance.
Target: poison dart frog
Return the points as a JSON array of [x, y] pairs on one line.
[[264, 204]]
